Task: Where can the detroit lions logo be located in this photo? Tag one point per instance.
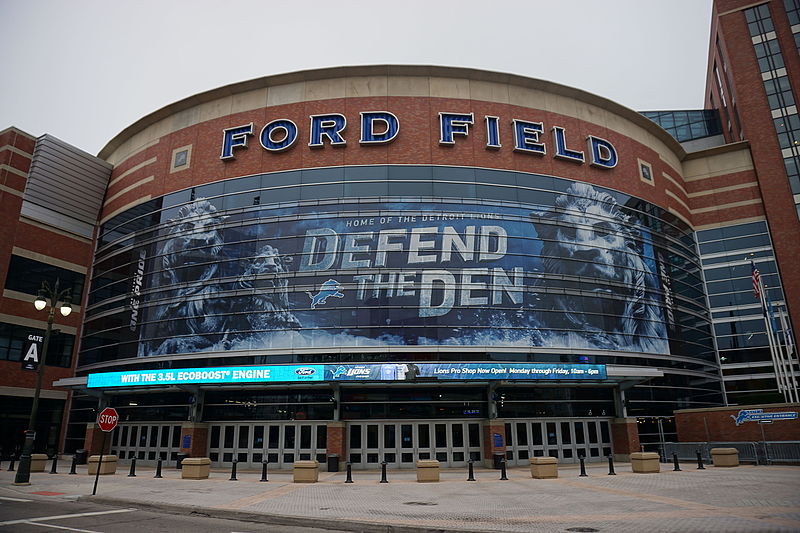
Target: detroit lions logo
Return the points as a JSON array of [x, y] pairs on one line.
[[340, 371], [328, 289]]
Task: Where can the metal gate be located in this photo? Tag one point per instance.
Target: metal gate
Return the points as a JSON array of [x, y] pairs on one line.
[[565, 439]]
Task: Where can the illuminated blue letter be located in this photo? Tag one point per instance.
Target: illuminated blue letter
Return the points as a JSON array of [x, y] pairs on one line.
[[233, 138], [289, 135], [602, 152], [492, 133], [330, 126], [452, 124], [391, 127], [560, 140], [526, 137]]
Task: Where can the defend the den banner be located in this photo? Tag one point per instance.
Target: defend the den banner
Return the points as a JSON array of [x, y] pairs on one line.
[[350, 372], [582, 275]]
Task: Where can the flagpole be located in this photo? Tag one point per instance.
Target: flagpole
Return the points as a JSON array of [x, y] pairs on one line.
[[789, 350], [781, 351], [779, 378]]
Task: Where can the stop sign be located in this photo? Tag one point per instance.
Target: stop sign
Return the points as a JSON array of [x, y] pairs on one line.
[[108, 419]]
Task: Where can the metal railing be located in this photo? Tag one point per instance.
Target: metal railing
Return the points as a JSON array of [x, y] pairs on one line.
[[760, 453]]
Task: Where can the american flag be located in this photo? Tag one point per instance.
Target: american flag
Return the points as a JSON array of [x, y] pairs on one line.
[[756, 279]]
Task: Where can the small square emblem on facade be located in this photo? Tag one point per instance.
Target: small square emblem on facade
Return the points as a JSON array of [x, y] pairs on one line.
[[181, 158]]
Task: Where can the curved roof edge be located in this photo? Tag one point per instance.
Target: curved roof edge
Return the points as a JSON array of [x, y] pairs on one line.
[[390, 70]]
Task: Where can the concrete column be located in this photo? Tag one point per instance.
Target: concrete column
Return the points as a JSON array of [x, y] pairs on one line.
[[337, 440], [94, 439], [494, 439], [195, 434], [625, 438]]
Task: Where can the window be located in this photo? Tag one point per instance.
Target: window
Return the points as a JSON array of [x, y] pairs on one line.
[[12, 341], [26, 275]]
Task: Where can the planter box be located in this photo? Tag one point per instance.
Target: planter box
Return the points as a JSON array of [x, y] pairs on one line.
[[645, 462], [38, 462], [109, 465], [725, 457], [427, 471], [544, 467], [306, 471], [196, 468]]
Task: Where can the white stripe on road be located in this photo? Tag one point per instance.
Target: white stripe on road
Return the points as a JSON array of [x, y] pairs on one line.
[[61, 527], [63, 516], [14, 499]]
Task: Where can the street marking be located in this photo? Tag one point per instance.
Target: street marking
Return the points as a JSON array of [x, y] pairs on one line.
[[14, 499], [63, 516], [62, 527]]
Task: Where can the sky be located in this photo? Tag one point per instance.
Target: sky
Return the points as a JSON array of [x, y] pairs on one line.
[[85, 70]]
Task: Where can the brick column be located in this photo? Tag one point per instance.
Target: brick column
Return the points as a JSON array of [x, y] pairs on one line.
[[491, 429], [337, 441], [197, 435], [625, 438], [94, 439]]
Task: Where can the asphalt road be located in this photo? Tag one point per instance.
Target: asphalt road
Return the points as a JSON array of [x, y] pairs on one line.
[[19, 515]]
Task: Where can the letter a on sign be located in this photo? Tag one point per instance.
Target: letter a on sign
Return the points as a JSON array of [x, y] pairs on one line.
[[32, 349]]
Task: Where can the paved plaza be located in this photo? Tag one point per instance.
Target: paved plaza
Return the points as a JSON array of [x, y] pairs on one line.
[[742, 499]]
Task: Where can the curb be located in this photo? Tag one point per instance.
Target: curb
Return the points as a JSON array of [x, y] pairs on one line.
[[273, 519]]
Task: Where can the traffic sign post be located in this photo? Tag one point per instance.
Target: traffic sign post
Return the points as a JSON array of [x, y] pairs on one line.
[[107, 420]]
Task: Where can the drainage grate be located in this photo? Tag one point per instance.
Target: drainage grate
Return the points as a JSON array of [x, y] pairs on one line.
[[582, 529], [420, 503]]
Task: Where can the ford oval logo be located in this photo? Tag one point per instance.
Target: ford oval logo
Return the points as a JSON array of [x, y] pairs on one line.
[[304, 371]]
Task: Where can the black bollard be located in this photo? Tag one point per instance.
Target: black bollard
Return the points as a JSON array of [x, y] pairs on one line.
[[383, 472], [11, 464], [55, 464], [503, 470], [700, 461], [471, 476], [158, 469], [677, 467], [611, 465], [74, 465], [349, 472], [583, 466], [132, 473], [233, 470], [264, 471]]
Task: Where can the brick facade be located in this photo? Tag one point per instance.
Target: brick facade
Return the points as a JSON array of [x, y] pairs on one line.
[[718, 424]]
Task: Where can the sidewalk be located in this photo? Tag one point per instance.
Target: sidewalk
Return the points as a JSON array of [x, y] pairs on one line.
[[743, 499]]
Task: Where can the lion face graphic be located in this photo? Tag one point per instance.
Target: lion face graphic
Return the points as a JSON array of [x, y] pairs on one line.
[[269, 306], [208, 308], [588, 237]]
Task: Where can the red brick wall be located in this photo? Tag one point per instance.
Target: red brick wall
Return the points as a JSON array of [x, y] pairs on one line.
[[336, 441], [717, 424], [417, 143], [625, 436], [747, 90]]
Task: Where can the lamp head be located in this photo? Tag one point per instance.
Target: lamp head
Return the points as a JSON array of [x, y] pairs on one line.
[[40, 302], [66, 306]]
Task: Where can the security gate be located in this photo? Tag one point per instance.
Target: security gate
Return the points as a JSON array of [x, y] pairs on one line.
[[401, 444], [280, 443], [565, 439], [147, 442]]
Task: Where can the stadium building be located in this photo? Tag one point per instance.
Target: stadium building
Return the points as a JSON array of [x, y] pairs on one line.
[[392, 263]]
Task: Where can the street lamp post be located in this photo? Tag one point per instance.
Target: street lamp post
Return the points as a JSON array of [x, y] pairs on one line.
[[23, 475]]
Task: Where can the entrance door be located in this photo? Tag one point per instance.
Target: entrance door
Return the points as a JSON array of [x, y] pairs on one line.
[[401, 444], [147, 442], [280, 443], [566, 439]]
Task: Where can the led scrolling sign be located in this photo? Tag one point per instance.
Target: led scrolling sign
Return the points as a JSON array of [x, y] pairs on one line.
[[383, 127]]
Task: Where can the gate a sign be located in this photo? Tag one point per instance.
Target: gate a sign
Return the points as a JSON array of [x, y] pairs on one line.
[[108, 419], [32, 352]]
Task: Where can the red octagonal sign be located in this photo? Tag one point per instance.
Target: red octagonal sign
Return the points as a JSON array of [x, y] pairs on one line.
[[108, 419]]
